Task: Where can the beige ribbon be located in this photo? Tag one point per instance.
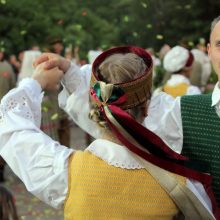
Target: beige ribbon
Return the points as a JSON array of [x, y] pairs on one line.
[[185, 199], [106, 90], [122, 130]]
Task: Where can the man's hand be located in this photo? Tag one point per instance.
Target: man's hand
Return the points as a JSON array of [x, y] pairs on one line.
[[52, 60], [48, 79]]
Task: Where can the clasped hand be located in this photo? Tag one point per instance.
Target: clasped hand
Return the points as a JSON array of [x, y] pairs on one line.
[[50, 69]]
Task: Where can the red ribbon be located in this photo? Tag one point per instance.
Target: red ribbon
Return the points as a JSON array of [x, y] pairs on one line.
[[145, 133]]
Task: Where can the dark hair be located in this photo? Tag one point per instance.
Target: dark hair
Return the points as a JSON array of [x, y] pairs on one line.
[[8, 209]]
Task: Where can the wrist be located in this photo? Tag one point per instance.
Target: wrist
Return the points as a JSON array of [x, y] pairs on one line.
[[41, 81], [31, 85]]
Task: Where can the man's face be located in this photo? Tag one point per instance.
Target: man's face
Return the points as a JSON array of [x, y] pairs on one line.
[[214, 49]]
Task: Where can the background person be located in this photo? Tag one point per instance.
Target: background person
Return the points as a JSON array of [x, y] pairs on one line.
[[179, 63], [7, 82]]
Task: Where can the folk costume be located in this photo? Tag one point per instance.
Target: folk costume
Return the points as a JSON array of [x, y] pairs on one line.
[[177, 61], [164, 119], [107, 180], [179, 85]]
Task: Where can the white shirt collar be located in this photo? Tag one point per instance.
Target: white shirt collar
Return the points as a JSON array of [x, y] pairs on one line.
[[177, 79], [216, 95], [114, 154]]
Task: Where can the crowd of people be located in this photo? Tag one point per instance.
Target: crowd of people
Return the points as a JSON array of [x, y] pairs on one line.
[[156, 148]]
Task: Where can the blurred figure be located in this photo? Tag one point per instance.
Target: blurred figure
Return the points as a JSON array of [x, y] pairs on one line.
[[156, 67], [16, 65], [156, 61], [21, 56], [8, 209], [160, 74], [83, 62], [50, 115], [204, 71], [49, 123], [179, 61], [202, 45], [72, 55], [92, 54], [56, 46], [163, 51], [27, 63], [35, 47], [7, 76], [7, 82]]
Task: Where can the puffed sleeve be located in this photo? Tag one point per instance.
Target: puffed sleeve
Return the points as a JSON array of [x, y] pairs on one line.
[[164, 119], [40, 162], [74, 98]]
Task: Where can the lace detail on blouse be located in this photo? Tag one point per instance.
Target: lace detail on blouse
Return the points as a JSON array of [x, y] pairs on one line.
[[20, 104], [113, 154]]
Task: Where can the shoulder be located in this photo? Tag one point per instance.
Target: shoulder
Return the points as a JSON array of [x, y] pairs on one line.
[[162, 101], [196, 100], [193, 90], [113, 154]]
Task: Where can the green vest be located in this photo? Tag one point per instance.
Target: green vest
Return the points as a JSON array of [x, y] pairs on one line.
[[201, 135]]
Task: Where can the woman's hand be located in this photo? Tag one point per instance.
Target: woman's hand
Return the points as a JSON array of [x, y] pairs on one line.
[[52, 60], [48, 79]]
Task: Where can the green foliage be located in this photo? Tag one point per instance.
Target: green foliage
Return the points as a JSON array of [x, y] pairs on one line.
[[95, 23]]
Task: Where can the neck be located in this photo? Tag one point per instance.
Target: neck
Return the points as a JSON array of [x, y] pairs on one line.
[[108, 135]]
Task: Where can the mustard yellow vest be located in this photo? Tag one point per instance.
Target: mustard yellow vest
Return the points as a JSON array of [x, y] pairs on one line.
[[100, 191], [178, 90]]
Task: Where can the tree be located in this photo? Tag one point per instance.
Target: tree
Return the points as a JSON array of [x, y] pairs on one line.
[[95, 23]]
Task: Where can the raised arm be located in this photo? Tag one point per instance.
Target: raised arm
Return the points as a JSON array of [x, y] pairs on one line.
[[74, 98], [40, 162]]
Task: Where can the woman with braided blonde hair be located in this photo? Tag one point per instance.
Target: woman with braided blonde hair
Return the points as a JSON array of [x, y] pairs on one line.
[[121, 68], [128, 172]]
